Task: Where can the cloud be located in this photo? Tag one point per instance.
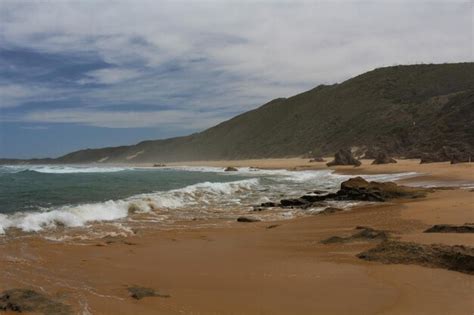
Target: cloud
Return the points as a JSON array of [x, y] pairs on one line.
[[188, 57], [109, 76], [120, 119], [13, 95]]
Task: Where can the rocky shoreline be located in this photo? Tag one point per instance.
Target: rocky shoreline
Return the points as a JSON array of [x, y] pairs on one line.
[[354, 189]]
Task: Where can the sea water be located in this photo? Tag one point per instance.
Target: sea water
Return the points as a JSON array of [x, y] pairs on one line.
[[35, 198]]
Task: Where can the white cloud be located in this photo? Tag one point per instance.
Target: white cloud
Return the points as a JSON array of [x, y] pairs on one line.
[[121, 119], [286, 41], [13, 95], [110, 76]]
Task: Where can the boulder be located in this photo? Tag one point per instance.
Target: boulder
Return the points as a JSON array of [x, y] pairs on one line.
[[247, 220], [383, 158], [344, 157], [358, 188], [139, 293], [230, 169]]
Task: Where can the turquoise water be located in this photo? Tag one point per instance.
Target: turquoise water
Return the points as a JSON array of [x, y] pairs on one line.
[[38, 188], [37, 198]]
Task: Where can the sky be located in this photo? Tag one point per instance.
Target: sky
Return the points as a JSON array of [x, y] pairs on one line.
[[86, 74]]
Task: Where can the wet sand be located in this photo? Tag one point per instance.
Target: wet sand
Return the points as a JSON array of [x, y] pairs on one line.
[[247, 268]]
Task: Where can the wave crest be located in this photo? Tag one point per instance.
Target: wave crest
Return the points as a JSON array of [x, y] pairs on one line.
[[80, 215], [62, 169]]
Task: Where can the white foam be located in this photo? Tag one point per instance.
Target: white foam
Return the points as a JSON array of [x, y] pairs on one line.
[[63, 169], [79, 215], [297, 176]]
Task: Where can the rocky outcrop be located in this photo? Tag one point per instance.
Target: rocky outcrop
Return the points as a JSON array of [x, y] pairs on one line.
[[363, 234], [26, 300], [355, 188], [139, 293], [230, 169], [457, 258], [448, 228], [383, 158], [344, 157], [358, 188]]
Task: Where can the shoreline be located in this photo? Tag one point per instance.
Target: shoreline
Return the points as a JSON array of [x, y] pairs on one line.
[[442, 171], [247, 268]]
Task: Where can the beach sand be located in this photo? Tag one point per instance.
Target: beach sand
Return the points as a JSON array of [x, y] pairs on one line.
[[247, 268]]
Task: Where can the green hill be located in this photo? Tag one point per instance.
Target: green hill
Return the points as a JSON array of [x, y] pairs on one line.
[[405, 110]]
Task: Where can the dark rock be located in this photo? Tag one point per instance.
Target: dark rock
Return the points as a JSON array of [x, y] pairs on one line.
[[159, 165], [358, 188], [294, 202], [445, 154], [383, 158], [230, 169], [458, 258], [26, 300], [447, 228], [363, 234], [315, 198], [247, 219], [344, 157], [139, 293]]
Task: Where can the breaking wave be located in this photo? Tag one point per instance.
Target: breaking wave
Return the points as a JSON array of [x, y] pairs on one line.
[[62, 169], [79, 215]]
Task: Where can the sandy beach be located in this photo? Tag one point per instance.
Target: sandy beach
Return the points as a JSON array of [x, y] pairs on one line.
[[249, 268]]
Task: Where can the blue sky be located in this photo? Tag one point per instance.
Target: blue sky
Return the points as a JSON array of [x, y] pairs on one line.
[[85, 74]]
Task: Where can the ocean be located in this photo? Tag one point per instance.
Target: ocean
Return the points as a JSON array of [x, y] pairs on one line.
[[51, 198]]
